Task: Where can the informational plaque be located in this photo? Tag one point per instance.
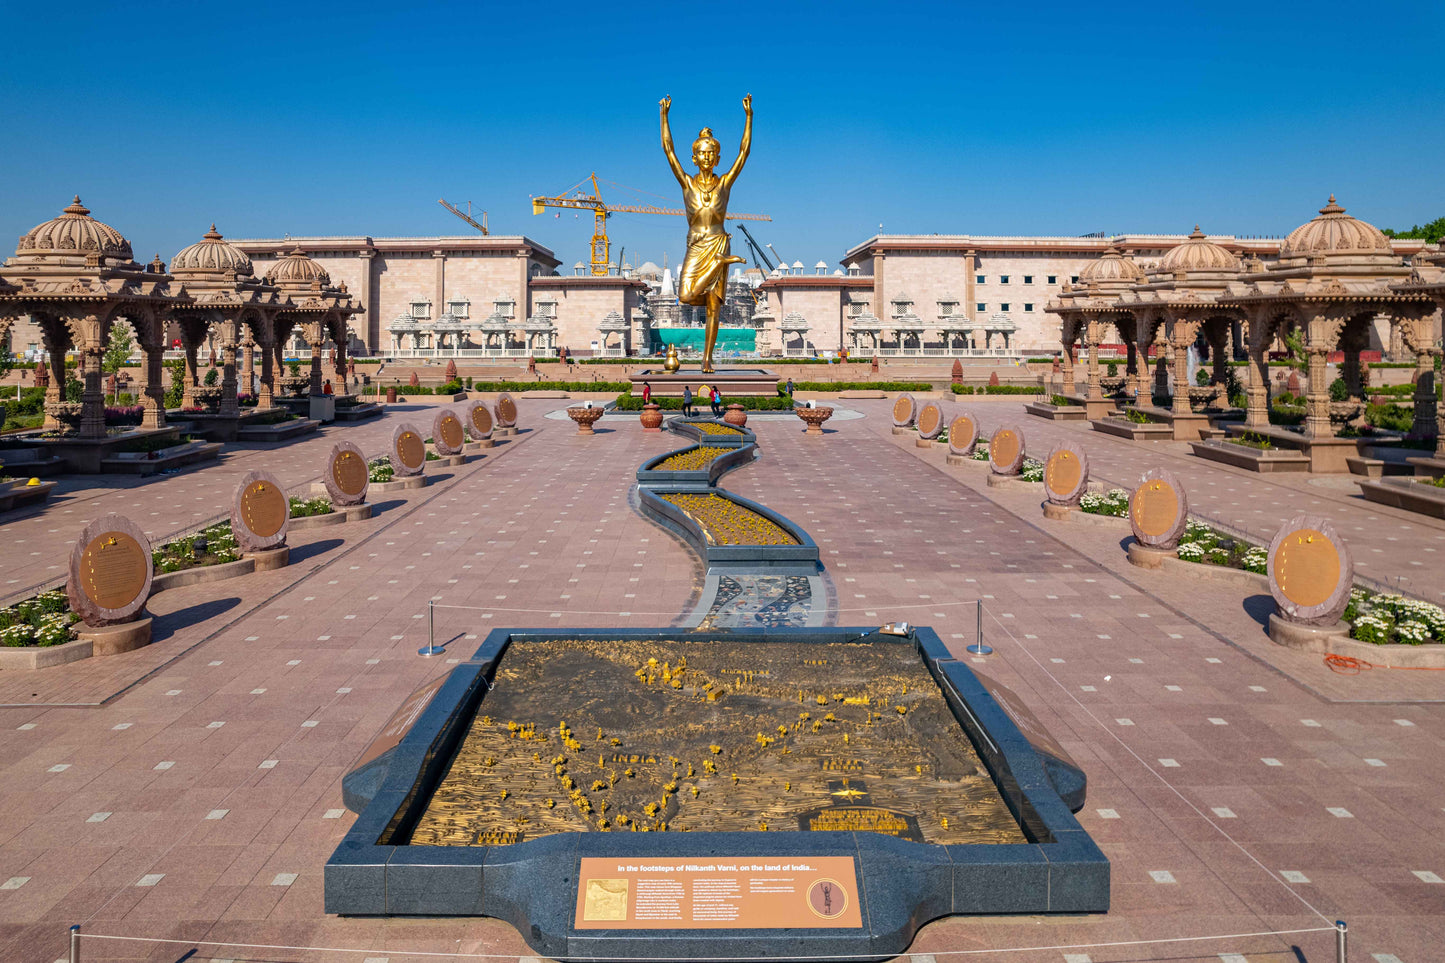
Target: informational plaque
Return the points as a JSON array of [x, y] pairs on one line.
[[347, 475], [1310, 571], [1158, 510], [110, 571], [1066, 474], [718, 892], [506, 410], [408, 451], [930, 420], [260, 513], [448, 434], [1006, 450], [904, 408], [962, 434], [479, 421]]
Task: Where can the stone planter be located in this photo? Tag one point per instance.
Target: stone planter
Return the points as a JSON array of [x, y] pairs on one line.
[[585, 418], [66, 413], [737, 415], [814, 418], [651, 417]]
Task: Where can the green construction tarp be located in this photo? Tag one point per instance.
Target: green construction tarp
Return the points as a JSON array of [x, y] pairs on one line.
[[742, 340]]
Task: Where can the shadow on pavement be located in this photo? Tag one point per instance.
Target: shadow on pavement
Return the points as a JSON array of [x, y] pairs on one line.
[[1260, 608], [165, 626], [301, 553]]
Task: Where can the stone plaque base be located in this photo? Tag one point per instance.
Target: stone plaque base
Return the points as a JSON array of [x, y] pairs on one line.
[[902, 431], [453, 461], [1307, 638], [961, 460], [923, 443], [479, 445], [1145, 557], [270, 559], [504, 432], [1060, 513], [995, 480], [400, 484], [355, 513], [114, 639]]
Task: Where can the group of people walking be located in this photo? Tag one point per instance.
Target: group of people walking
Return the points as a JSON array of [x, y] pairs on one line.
[[714, 398]]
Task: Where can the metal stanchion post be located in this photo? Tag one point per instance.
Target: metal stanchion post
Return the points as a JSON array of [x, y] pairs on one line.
[[431, 647], [978, 648], [1342, 942], [75, 944]]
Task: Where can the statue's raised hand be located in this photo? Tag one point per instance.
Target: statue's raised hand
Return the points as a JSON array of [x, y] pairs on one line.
[[748, 103], [665, 103]]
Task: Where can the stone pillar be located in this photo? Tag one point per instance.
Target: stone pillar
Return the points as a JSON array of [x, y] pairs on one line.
[[1131, 370], [1350, 371], [1067, 362], [340, 360], [56, 340], [188, 381], [1317, 400], [1180, 405], [1161, 369], [153, 388], [1236, 336], [229, 407], [315, 367], [278, 363], [1096, 387], [92, 399], [248, 363], [1427, 419], [1219, 356], [266, 394], [1257, 414]]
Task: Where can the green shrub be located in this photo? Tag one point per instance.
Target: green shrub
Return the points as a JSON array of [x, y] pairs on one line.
[[380, 470], [1013, 389], [1339, 391], [858, 386], [1112, 368], [1136, 416], [1391, 417], [626, 402], [212, 376]]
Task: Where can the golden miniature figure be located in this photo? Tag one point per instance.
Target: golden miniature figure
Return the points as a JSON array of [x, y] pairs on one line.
[[703, 279]]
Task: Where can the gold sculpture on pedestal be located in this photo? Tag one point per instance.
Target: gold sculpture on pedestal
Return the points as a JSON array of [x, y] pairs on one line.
[[704, 275]]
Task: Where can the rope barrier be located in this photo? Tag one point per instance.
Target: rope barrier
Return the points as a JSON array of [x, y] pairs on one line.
[[919, 956], [1349, 665]]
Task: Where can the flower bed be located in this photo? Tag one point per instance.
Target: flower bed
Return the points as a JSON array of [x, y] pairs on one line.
[[380, 470], [1114, 502], [44, 620], [1390, 619], [694, 459], [1208, 546], [306, 507], [210, 546]]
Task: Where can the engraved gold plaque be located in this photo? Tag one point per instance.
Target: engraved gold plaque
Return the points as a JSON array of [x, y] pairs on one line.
[[451, 432], [410, 450], [507, 410], [962, 432], [481, 421], [1063, 472], [1155, 508], [1005, 448], [928, 420], [264, 508], [349, 472], [903, 410], [1307, 567], [113, 570]]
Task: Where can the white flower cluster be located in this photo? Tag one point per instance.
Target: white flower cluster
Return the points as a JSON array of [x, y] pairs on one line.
[[1256, 560], [1032, 471], [980, 452], [1115, 502], [1393, 618], [1191, 551]]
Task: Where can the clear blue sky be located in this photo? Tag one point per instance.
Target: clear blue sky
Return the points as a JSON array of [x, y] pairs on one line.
[[315, 118]]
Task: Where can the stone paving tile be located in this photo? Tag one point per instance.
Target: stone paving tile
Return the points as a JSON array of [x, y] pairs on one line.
[[1048, 598]]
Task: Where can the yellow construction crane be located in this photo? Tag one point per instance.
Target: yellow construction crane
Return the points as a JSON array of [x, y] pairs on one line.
[[468, 216], [601, 210]]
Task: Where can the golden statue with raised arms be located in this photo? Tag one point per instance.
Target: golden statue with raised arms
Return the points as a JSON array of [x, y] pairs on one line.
[[704, 276]]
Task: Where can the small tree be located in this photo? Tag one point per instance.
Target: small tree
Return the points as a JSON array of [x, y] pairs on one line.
[[118, 348]]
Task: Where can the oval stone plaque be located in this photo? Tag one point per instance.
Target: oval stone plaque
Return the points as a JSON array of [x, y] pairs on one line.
[[447, 433], [1006, 450], [904, 410], [479, 421], [1310, 571], [110, 571], [347, 476], [261, 513], [506, 410], [963, 434], [1066, 474], [408, 450], [930, 421], [1158, 510]]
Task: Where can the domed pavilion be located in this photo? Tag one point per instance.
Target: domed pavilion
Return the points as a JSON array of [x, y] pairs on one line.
[[1087, 310]]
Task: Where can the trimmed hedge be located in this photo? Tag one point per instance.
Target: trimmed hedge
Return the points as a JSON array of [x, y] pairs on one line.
[[608, 386], [997, 389], [627, 402], [861, 386]]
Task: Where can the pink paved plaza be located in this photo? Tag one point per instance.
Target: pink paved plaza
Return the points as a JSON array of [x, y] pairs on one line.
[[191, 790]]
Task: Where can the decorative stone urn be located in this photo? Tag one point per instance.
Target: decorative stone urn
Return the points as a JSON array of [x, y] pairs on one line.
[[737, 415], [66, 415], [814, 418], [651, 417], [585, 418]]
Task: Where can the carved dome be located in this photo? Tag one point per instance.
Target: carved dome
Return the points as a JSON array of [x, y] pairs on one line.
[[297, 268], [1111, 266], [1334, 232], [212, 255], [1198, 253], [74, 232]]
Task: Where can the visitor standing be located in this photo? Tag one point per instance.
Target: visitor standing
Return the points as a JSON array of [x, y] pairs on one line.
[[790, 389], [716, 400], [646, 393], [686, 401]]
